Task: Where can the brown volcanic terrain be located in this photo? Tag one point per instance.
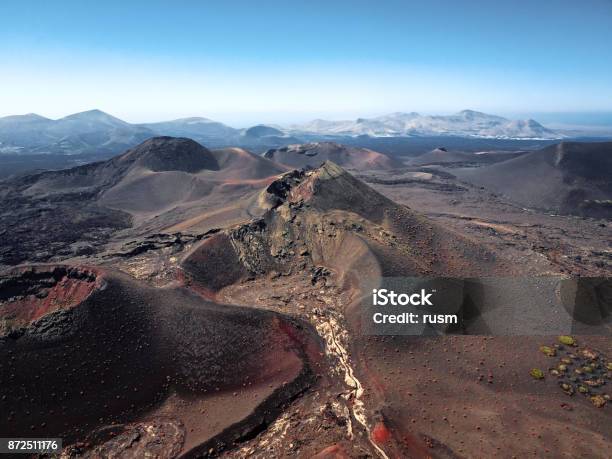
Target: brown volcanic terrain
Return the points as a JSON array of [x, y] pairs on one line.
[[162, 182], [331, 219], [458, 158], [472, 396], [540, 241], [311, 255], [222, 316], [315, 154]]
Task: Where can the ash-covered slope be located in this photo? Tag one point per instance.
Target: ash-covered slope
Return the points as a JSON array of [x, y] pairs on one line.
[[326, 217], [441, 156], [315, 154], [164, 180], [162, 154], [570, 178]]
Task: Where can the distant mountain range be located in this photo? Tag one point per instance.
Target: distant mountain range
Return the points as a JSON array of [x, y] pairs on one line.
[[200, 128], [88, 132], [467, 123], [97, 132]]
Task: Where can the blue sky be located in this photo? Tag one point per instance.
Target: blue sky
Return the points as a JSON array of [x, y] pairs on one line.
[[287, 61]]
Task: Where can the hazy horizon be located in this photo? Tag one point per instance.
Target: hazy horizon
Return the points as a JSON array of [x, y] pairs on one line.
[[244, 63], [555, 120]]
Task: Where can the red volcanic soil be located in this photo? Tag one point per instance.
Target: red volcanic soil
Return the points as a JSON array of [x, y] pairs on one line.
[[380, 433], [27, 294], [128, 354]]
